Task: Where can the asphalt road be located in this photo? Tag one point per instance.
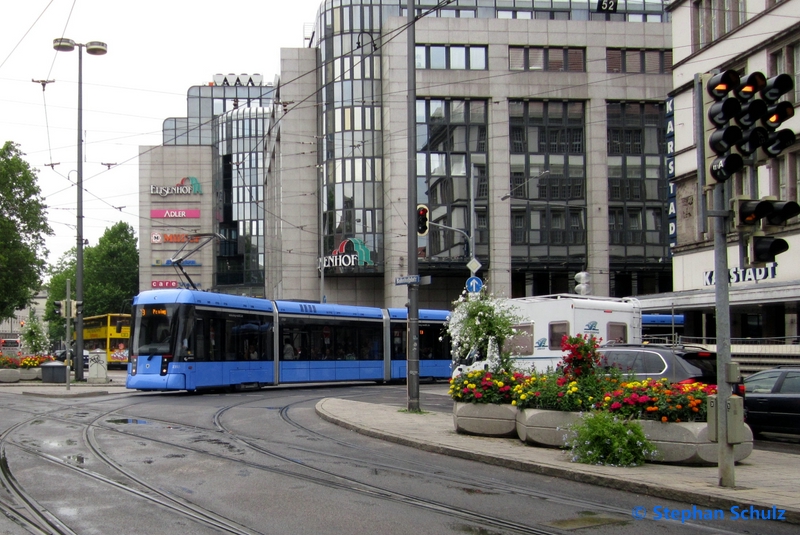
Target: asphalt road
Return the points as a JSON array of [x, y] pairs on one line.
[[264, 462]]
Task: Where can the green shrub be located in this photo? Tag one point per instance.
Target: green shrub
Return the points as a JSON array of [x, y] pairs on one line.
[[604, 439]]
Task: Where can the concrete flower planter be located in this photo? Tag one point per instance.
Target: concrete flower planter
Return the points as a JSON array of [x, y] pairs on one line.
[[540, 427], [676, 443], [9, 375], [30, 374], [687, 442], [485, 419]]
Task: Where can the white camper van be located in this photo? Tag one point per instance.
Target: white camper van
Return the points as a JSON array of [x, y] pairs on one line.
[[546, 319]]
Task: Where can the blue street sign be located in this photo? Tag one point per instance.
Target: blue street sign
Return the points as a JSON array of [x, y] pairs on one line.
[[474, 285]]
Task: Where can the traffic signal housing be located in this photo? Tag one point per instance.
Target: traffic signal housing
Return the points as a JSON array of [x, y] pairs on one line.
[[775, 115], [57, 308], [719, 110], [753, 219], [423, 220]]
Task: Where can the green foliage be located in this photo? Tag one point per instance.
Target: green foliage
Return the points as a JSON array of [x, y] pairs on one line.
[[34, 339], [23, 226], [659, 400], [111, 272], [604, 439], [555, 391], [480, 386], [478, 321], [110, 277]]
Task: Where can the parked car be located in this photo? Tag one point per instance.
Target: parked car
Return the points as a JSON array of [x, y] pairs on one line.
[[60, 355], [773, 400], [678, 364]]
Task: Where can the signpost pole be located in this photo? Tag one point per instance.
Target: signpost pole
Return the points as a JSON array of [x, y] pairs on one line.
[[413, 289]]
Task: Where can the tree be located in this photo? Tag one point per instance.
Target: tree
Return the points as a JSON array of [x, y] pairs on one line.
[[57, 288], [111, 272], [23, 226], [110, 277]]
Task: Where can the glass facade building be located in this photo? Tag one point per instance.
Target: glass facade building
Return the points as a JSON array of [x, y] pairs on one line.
[[231, 115], [554, 144]]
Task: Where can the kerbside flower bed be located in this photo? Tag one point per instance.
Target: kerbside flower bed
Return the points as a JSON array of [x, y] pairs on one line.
[[15, 369], [550, 408]]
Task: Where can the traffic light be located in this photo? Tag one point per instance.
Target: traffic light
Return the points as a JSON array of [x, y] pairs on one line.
[[763, 249], [57, 308], [777, 112], [77, 308], [758, 248], [720, 136], [423, 215]]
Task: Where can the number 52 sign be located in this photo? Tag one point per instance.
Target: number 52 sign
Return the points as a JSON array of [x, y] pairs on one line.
[[606, 6]]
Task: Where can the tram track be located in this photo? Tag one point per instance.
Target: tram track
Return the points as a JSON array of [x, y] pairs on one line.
[[215, 448]]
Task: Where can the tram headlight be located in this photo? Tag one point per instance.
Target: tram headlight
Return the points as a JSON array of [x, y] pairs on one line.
[[165, 360]]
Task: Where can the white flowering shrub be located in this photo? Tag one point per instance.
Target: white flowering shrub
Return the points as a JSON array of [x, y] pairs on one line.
[[482, 322]]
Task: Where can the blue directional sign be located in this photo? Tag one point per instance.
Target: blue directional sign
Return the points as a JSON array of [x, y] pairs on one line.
[[474, 285]]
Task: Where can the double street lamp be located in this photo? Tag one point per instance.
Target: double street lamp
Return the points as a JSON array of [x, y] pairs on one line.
[[94, 48]]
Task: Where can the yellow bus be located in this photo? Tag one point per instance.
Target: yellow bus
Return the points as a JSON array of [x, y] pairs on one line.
[[111, 333]]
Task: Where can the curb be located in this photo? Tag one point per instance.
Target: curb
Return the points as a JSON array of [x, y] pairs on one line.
[[792, 516]]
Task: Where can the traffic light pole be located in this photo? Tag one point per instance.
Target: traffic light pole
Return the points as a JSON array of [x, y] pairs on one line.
[[68, 318], [725, 463]]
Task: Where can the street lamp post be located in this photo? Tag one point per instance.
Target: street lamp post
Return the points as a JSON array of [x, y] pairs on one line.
[[94, 48]]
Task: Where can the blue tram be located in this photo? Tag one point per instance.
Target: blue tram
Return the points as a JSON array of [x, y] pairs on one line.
[[192, 340]]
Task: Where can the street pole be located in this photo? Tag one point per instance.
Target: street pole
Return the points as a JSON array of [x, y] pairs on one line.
[[721, 283], [79, 254], [93, 48], [413, 289], [67, 310]]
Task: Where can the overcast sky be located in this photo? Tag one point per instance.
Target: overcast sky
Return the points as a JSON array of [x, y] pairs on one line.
[[157, 49]]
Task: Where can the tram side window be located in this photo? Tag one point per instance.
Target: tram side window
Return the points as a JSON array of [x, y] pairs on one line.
[[617, 332], [557, 331], [431, 347]]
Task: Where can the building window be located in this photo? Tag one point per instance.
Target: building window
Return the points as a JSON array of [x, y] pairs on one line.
[[451, 148], [566, 59], [547, 136], [451, 57], [712, 19], [638, 61]]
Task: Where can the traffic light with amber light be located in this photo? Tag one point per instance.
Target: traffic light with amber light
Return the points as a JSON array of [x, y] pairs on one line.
[[423, 215], [57, 308], [776, 114], [720, 136], [770, 213]]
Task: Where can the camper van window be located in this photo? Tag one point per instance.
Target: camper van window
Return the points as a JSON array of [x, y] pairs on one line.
[[522, 342], [617, 332], [557, 331]]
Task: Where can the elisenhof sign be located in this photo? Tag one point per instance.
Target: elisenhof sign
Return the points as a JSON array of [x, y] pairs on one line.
[[188, 185]]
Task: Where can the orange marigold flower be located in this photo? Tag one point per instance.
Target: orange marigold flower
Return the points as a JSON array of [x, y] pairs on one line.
[[664, 419]]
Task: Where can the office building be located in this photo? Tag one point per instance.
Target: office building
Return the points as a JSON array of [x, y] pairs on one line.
[[549, 117]]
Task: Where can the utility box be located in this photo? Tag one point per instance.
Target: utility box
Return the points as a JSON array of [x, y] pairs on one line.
[[98, 367], [54, 372], [735, 417]]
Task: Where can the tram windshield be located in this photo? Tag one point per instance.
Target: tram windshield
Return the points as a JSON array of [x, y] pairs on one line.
[[154, 329]]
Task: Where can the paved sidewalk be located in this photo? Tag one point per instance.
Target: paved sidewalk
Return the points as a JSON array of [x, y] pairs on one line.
[[763, 479]]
